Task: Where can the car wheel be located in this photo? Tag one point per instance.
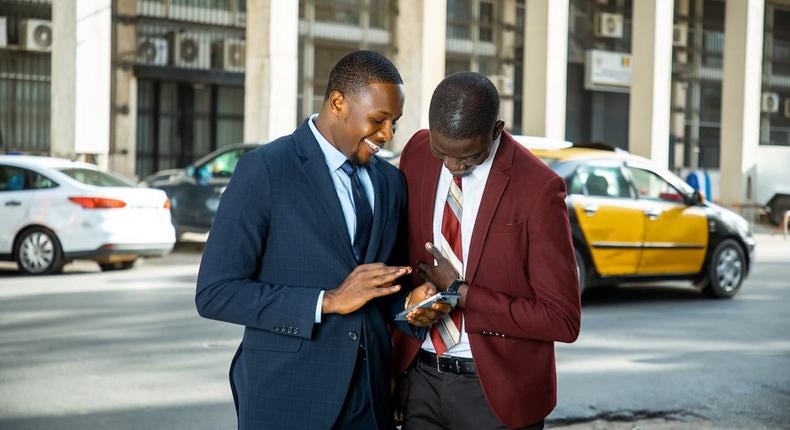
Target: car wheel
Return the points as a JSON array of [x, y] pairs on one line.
[[38, 252], [726, 270], [581, 271], [118, 265]]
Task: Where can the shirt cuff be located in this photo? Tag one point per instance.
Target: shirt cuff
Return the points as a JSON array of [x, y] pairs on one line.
[[318, 307]]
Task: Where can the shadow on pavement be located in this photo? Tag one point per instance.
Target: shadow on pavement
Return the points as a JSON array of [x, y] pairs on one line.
[[598, 296], [193, 417]]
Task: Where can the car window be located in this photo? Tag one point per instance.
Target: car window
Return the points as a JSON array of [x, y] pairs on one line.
[[96, 178], [600, 181], [575, 184], [37, 181], [221, 166], [653, 187], [12, 178]]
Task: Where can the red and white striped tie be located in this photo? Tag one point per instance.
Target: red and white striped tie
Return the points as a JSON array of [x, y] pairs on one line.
[[447, 332]]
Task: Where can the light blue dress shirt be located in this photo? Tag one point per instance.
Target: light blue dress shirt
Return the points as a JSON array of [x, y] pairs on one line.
[[334, 159]]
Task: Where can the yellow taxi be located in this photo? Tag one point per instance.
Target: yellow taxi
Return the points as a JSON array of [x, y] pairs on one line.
[[634, 221]]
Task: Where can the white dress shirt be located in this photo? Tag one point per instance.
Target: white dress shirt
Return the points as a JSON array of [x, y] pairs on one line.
[[342, 182], [472, 186]]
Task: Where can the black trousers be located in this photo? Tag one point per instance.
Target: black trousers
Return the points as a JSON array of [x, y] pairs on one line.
[[445, 401], [357, 412]]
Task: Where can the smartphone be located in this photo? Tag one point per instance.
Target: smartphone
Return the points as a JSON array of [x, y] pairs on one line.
[[443, 297]]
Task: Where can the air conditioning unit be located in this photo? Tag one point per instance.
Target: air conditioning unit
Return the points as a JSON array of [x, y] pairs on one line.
[[152, 51], [680, 35], [229, 55], [770, 103], [190, 50], [3, 32], [609, 25], [787, 107], [36, 35]]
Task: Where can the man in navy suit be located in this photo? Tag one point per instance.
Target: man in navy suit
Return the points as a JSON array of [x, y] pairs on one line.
[[298, 254]]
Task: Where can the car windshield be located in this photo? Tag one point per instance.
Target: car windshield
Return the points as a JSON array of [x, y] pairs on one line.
[[96, 178]]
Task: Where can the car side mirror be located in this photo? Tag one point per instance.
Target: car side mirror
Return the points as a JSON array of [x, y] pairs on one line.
[[697, 197]]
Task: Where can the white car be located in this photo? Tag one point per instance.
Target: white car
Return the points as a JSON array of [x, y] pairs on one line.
[[54, 210]]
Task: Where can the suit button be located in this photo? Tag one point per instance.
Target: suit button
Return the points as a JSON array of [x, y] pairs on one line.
[[353, 336], [296, 330]]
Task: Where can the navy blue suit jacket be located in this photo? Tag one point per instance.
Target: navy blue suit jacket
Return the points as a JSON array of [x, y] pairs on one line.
[[278, 238]]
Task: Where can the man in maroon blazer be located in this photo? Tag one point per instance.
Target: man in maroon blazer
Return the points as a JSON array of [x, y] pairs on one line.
[[487, 219]]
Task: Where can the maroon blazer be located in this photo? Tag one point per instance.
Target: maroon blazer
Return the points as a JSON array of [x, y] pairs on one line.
[[523, 289]]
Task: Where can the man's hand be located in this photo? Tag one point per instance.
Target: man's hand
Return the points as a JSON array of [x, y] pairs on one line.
[[364, 284], [425, 317], [441, 275]]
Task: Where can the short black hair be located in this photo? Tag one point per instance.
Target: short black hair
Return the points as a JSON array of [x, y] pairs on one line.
[[465, 104], [359, 69]]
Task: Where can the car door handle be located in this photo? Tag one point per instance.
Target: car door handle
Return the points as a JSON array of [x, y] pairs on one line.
[[13, 203], [590, 209], [653, 213]]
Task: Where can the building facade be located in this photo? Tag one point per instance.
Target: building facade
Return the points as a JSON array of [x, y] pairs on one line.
[[143, 85]]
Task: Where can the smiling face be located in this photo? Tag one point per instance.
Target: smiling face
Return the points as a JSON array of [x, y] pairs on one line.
[[364, 121], [461, 156]]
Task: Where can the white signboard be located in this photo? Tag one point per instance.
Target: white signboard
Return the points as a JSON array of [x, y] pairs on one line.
[[607, 71]]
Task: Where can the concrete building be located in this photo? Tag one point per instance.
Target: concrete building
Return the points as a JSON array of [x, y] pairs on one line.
[[143, 85]]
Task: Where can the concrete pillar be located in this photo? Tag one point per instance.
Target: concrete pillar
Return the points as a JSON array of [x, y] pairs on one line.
[[123, 143], [81, 58], [271, 71], [420, 40], [740, 99], [545, 66], [507, 53], [651, 81]]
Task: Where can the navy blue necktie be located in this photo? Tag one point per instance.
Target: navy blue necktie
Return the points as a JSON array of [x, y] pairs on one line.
[[363, 210]]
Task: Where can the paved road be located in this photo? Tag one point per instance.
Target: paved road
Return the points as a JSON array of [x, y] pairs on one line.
[[126, 350]]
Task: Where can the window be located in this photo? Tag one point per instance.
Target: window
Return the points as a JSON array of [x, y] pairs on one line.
[[37, 181], [459, 19], [653, 187], [340, 11], [12, 178], [96, 178], [601, 181], [18, 179], [221, 166], [487, 21]]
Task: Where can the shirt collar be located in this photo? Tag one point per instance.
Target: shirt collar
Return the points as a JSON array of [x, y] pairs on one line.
[[334, 158]]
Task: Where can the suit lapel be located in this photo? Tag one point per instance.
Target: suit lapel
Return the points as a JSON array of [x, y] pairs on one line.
[[492, 194], [380, 214], [322, 188]]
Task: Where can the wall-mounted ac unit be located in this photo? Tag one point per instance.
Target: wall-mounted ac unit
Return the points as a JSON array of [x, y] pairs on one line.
[[787, 107], [190, 50], [609, 25], [3, 31], [36, 35], [770, 103], [680, 35], [229, 55], [152, 51]]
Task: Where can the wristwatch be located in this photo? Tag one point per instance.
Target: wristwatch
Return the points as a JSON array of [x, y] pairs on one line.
[[453, 288]]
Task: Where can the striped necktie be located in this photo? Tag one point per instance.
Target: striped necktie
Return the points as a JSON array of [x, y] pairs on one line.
[[447, 332]]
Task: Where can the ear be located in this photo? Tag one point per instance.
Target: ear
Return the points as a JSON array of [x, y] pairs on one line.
[[337, 103], [499, 126]]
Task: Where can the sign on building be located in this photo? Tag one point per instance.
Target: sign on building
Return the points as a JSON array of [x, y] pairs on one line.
[[607, 71]]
